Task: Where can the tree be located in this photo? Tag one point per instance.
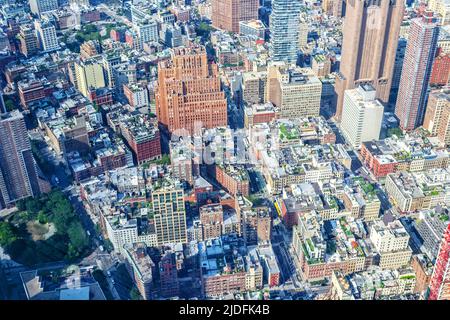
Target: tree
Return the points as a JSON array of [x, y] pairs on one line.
[[42, 217], [9, 104], [135, 294], [77, 236], [32, 205], [7, 234]]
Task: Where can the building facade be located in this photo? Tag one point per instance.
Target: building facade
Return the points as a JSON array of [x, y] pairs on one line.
[[371, 29], [412, 94], [189, 92], [18, 171]]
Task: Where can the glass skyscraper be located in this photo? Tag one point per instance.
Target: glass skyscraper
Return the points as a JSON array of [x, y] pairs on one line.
[[284, 30]]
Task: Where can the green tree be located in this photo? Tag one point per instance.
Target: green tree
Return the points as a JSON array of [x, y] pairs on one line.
[[42, 217], [77, 236], [7, 234], [32, 205], [9, 104], [135, 294]]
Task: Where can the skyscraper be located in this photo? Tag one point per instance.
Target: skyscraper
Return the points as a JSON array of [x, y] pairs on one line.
[[189, 91], [284, 28], [417, 66], [440, 280], [18, 171], [226, 14], [371, 29]]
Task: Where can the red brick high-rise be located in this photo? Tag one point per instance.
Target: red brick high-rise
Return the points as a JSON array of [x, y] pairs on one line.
[[440, 73], [412, 93], [226, 14], [440, 280], [189, 91]]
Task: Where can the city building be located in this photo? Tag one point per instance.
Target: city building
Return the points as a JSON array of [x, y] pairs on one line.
[[137, 94], [61, 284], [189, 92], [41, 6], [391, 243], [224, 270], [211, 218], [413, 90], [440, 74], [232, 178], [417, 191], [68, 135], [89, 75], [435, 121], [226, 14], [141, 268], [169, 215], [254, 28], [284, 30], [321, 65], [18, 170], [295, 91], [254, 86], [142, 135], [437, 116], [46, 34], [440, 279], [32, 91], [442, 9], [168, 275], [362, 115], [123, 231], [430, 226], [28, 40], [368, 51]]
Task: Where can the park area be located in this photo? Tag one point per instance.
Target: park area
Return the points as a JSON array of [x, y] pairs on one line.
[[44, 229]]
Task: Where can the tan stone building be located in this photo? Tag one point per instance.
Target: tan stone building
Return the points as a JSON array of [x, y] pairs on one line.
[[295, 91], [189, 91], [371, 30]]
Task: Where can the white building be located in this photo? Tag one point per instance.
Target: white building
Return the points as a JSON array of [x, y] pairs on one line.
[[147, 31], [137, 95], [122, 232], [362, 115], [46, 33], [392, 237]]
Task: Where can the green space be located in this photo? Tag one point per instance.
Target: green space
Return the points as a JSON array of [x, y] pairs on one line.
[[88, 32], [369, 189], [165, 160], [333, 203], [10, 105], [310, 244], [395, 131], [289, 134], [134, 294], [44, 229], [255, 200]]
